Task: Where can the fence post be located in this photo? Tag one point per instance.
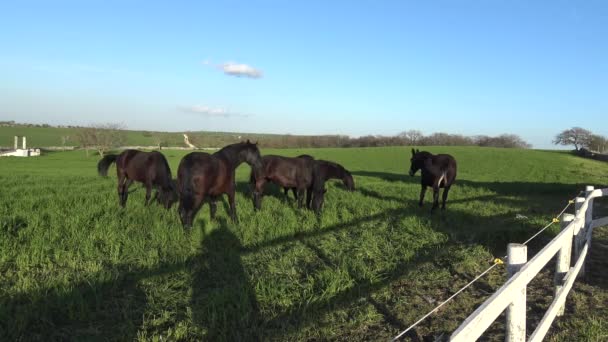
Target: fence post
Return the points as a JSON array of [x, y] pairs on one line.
[[578, 229], [517, 256], [588, 218], [563, 260]]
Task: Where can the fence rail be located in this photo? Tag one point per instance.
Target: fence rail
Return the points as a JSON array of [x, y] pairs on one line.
[[576, 232]]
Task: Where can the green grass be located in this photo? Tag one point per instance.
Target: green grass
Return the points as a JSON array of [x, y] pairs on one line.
[[75, 266]]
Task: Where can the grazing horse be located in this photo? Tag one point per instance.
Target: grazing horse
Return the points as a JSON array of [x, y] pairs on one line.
[[204, 177], [286, 172], [438, 171], [149, 168], [323, 171]]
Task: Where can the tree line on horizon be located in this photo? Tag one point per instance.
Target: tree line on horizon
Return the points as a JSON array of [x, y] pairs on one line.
[[104, 137]]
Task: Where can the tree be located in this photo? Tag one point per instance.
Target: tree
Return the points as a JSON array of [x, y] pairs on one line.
[[160, 140], [576, 136], [597, 143], [102, 137], [412, 136]]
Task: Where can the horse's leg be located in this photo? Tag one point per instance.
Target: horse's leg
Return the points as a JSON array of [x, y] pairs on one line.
[[422, 192], [435, 197], [308, 197], [286, 191], [295, 193], [231, 200], [121, 180], [212, 207], [257, 193], [125, 191], [148, 193], [301, 196], [444, 196], [186, 214]]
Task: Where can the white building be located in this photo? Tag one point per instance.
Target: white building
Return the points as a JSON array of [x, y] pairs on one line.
[[21, 152]]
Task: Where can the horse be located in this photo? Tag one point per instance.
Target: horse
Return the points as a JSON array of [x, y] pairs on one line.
[[438, 171], [204, 177], [295, 193], [286, 172], [149, 168], [323, 171]]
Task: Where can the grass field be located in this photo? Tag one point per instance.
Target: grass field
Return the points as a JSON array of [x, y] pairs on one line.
[[75, 266]]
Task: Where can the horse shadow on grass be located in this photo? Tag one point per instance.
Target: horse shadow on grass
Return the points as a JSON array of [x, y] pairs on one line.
[[223, 301]]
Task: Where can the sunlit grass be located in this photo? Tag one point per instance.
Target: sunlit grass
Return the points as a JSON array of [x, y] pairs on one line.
[[74, 265]]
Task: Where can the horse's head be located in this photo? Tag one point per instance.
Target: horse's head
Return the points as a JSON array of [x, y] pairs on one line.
[[417, 161], [348, 181], [318, 197], [251, 155]]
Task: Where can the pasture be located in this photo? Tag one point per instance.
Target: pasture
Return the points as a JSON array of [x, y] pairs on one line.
[[75, 266]]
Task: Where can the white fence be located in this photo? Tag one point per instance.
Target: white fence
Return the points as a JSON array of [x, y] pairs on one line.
[[576, 231]]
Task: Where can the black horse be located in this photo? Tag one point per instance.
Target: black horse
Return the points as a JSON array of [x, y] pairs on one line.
[[286, 172], [323, 171], [204, 177], [149, 168], [294, 190], [438, 171]]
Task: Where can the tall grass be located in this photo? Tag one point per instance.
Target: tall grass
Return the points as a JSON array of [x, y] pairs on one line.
[[75, 266]]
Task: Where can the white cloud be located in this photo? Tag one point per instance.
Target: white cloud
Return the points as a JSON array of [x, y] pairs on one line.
[[240, 70], [211, 112]]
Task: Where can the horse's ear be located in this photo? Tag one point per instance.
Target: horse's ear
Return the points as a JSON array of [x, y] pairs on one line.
[[248, 141], [417, 150], [256, 142], [413, 152]]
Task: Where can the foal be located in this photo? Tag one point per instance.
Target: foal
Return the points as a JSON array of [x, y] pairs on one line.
[[323, 171], [438, 171]]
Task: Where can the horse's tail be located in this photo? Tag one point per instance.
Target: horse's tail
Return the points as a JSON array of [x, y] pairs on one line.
[[104, 164], [164, 171], [185, 189]]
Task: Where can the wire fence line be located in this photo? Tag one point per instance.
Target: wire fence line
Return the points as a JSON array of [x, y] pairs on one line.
[[497, 261]]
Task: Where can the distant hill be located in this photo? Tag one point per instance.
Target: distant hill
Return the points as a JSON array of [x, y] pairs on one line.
[[52, 136]]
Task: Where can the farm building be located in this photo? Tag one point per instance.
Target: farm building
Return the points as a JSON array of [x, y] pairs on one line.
[[20, 152]]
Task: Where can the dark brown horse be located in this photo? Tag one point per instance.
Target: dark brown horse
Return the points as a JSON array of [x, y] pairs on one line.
[[204, 177], [294, 190], [438, 171], [322, 172], [286, 172], [149, 168]]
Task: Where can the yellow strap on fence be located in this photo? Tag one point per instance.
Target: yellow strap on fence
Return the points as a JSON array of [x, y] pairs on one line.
[[498, 261], [555, 220]]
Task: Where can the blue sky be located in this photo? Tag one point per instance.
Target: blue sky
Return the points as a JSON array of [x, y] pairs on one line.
[[531, 68]]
